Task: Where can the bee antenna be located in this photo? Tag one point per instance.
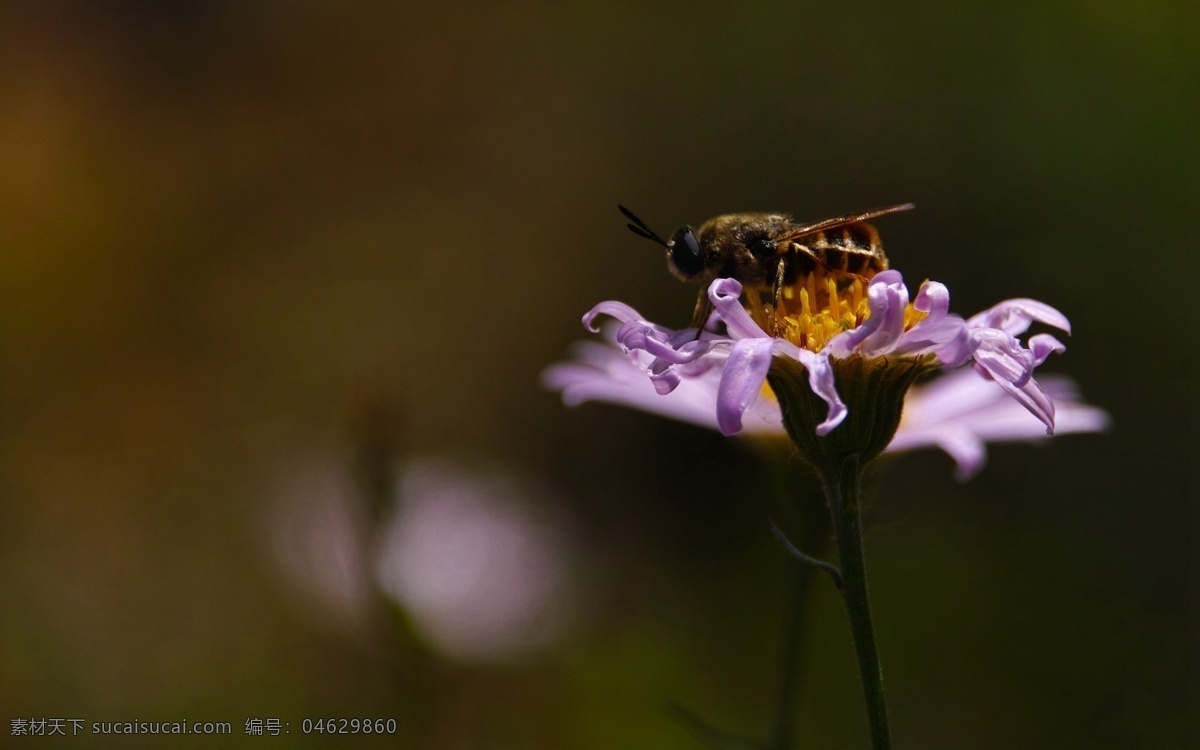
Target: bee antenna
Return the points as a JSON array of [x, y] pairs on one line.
[[639, 227]]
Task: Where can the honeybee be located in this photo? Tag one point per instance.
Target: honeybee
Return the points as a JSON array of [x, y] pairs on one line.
[[770, 251]]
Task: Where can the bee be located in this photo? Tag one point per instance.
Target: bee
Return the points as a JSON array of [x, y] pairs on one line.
[[770, 251]]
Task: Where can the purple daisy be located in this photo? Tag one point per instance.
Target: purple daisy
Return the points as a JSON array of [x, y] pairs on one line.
[[716, 377]]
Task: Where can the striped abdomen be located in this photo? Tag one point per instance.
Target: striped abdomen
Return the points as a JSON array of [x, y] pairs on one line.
[[853, 249]]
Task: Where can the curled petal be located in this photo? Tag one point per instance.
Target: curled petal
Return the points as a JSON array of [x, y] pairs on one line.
[[1014, 316], [934, 298], [746, 371], [938, 329], [725, 296], [820, 379], [1001, 356], [947, 338], [612, 308], [1043, 345], [742, 381], [602, 372], [659, 345], [888, 277], [1032, 397], [955, 351], [678, 339], [884, 328], [888, 304], [664, 377]]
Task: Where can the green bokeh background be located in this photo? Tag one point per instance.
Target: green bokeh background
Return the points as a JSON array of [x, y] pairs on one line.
[[228, 230]]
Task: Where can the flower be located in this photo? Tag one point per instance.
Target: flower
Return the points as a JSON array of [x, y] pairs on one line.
[[960, 412], [482, 576], [957, 411], [481, 573], [717, 380]]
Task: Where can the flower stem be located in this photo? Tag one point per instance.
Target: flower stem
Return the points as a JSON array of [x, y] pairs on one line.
[[843, 489]]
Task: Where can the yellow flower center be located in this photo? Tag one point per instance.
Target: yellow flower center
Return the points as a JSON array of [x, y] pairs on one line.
[[816, 308]]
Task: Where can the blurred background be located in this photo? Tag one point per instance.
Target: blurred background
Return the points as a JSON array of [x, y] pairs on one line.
[[277, 281]]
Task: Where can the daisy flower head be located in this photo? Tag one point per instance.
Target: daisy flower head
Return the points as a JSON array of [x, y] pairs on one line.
[[830, 358], [956, 411]]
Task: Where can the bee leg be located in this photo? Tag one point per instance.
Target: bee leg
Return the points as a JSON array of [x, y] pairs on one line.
[[777, 297], [704, 309]]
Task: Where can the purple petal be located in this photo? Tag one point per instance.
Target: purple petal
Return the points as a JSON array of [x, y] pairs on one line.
[[958, 410], [746, 371], [967, 450], [658, 345], [956, 350], [1014, 316], [938, 330], [936, 338], [665, 380], [602, 372], [820, 379], [742, 381], [888, 277], [887, 298], [934, 298], [725, 295], [1001, 356], [1033, 398], [889, 303], [1043, 345], [615, 380], [612, 308]]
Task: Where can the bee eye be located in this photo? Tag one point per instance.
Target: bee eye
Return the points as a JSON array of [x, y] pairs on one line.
[[683, 252]]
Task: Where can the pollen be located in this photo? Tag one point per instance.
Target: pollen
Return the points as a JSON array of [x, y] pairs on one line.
[[818, 307]]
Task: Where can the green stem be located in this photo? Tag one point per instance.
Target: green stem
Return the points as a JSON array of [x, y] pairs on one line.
[[843, 490]]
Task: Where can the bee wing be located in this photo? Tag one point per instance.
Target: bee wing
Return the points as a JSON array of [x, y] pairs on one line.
[[840, 221]]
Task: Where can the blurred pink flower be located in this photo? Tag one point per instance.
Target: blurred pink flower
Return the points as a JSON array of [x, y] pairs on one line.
[[481, 575]]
